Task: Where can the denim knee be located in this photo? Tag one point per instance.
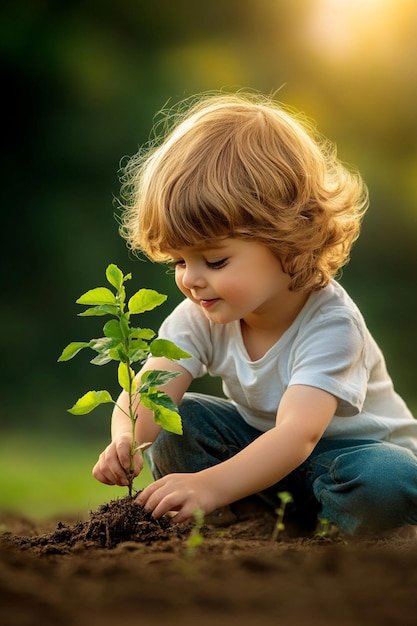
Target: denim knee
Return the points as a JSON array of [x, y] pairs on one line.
[[370, 488]]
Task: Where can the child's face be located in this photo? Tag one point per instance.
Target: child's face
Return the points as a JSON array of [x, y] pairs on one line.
[[231, 279]]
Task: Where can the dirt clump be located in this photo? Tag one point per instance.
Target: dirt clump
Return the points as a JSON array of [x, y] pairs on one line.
[[113, 523]]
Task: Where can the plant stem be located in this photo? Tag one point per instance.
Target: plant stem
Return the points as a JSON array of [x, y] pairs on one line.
[[133, 443]]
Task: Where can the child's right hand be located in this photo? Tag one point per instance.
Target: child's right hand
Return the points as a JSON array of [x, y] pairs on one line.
[[113, 463]]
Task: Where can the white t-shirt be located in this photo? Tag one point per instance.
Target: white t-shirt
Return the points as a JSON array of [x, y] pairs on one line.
[[328, 346]]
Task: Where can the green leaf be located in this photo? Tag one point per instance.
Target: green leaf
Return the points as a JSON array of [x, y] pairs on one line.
[[168, 418], [103, 344], [112, 330], [160, 398], [104, 309], [72, 349], [97, 297], [138, 344], [104, 347], [125, 375], [102, 359], [156, 378], [89, 401], [138, 351], [168, 349], [145, 300], [138, 355], [285, 497], [141, 333], [114, 275], [118, 353]]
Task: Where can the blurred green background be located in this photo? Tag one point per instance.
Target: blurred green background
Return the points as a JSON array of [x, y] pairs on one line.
[[82, 82]]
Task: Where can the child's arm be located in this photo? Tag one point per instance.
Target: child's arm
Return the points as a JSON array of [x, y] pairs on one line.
[[113, 462], [302, 417]]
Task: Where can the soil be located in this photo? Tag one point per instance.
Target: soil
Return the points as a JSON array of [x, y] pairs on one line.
[[120, 566]]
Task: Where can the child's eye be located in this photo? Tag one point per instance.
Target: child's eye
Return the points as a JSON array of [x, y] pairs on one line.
[[177, 263], [216, 265]]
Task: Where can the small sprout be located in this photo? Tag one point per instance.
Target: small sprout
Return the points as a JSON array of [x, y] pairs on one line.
[[327, 531], [195, 539], [128, 345], [285, 498], [323, 529]]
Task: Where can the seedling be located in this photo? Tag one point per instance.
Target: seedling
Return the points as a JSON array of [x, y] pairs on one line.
[[128, 345], [324, 529], [285, 498], [195, 539]]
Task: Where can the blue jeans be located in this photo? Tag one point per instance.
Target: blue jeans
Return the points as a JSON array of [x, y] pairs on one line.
[[361, 486]]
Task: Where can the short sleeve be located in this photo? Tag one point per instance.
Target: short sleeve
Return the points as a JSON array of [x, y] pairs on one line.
[[329, 353], [189, 329]]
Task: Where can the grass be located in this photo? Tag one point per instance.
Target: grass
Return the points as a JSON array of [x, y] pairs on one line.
[[45, 478]]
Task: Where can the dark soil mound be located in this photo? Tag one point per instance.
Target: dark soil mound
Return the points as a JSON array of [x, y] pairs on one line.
[[113, 523]]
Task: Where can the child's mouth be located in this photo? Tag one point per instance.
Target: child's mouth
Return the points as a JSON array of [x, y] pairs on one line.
[[206, 304]]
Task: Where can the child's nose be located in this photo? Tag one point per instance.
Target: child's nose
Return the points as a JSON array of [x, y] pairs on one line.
[[193, 277]]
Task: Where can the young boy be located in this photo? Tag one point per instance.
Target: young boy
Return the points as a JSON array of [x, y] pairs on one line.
[[257, 215]]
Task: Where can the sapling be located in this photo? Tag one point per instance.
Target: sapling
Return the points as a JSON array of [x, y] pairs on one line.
[[128, 345]]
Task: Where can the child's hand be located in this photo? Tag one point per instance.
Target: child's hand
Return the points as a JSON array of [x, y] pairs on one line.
[[113, 463], [184, 493]]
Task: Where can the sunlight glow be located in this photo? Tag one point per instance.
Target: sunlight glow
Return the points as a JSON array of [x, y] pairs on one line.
[[344, 27]]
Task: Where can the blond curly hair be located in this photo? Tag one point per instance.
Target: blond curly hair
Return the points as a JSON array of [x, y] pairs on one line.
[[243, 166]]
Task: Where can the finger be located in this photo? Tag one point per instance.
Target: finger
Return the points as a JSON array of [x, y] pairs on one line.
[[123, 452], [181, 516], [160, 508], [137, 463], [123, 448], [163, 498], [111, 468], [176, 501], [101, 476], [152, 497], [143, 497]]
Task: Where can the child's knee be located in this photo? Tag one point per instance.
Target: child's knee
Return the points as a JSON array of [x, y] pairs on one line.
[[372, 490], [377, 468]]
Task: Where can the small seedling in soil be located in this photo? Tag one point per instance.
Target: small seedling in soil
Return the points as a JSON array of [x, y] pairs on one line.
[[285, 498], [195, 539], [323, 529], [128, 345]]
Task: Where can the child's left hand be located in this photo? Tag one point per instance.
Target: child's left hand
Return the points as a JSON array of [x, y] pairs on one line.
[[184, 493]]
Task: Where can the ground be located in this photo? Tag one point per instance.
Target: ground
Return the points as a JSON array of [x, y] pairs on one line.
[[121, 567]]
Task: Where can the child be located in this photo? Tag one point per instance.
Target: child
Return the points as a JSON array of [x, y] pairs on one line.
[[257, 216]]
